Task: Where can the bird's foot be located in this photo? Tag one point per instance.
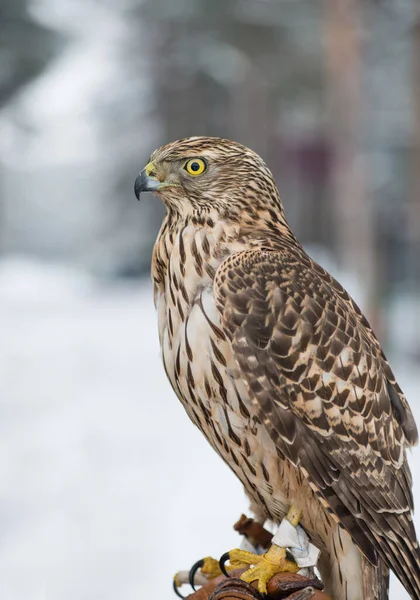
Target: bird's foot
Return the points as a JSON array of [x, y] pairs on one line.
[[203, 571], [264, 566], [209, 567]]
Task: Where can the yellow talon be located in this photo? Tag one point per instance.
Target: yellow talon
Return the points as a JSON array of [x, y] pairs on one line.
[[211, 568], [264, 565], [203, 570]]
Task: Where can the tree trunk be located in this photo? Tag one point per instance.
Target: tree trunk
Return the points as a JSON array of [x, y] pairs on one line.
[[414, 196], [354, 235]]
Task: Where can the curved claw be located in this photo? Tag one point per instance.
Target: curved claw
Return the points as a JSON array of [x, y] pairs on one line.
[[177, 592], [193, 571], [223, 559]]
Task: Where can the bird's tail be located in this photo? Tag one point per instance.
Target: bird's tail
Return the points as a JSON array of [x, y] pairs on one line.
[[375, 580], [403, 555], [348, 575]]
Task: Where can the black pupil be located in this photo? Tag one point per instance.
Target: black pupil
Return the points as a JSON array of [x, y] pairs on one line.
[[195, 166]]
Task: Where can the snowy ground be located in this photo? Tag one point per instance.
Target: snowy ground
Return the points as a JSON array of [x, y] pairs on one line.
[[106, 488]]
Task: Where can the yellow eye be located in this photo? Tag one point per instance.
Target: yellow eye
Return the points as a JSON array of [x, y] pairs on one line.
[[195, 166]]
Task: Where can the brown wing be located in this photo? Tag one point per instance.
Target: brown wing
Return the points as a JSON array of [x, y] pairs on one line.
[[326, 394]]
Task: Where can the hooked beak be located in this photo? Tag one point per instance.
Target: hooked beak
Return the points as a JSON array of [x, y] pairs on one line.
[[146, 181]]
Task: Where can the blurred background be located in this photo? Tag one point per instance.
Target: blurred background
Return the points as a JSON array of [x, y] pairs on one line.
[[106, 489]]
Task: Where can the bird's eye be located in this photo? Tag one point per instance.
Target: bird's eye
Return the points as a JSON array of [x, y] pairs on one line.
[[195, 166]]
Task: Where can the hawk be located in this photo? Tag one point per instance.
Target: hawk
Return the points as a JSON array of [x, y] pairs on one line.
[[277, 366]]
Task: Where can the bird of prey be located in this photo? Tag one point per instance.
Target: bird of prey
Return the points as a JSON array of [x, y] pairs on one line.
[[277, 366]]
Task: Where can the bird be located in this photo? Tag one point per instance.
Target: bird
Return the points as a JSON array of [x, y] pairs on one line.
[[278, 367]]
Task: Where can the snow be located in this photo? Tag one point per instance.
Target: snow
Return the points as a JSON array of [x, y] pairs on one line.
[[107, 488]]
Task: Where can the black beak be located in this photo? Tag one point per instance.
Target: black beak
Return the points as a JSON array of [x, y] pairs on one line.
[[145, 183]]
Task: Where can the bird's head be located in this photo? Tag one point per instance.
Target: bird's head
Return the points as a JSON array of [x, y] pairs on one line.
[[200, 175]]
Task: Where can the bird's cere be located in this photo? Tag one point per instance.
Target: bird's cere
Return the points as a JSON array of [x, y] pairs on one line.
[[145, 183]]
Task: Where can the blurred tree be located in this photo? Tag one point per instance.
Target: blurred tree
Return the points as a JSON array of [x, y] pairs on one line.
[[414, 196], [26, 47], [354, 230]]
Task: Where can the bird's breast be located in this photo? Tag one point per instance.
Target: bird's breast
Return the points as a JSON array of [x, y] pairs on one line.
[[200, 364]]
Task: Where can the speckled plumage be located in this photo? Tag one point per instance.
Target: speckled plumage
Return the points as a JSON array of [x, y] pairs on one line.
[[277, 366]]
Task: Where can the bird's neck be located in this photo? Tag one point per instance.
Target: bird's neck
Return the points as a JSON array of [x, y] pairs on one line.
[[198, 243]]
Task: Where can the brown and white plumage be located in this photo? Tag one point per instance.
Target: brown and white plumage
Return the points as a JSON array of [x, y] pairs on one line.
[[278, 367]]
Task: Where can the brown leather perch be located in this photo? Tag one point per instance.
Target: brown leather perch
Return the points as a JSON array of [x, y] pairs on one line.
[[253, 531], [283, 585]]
